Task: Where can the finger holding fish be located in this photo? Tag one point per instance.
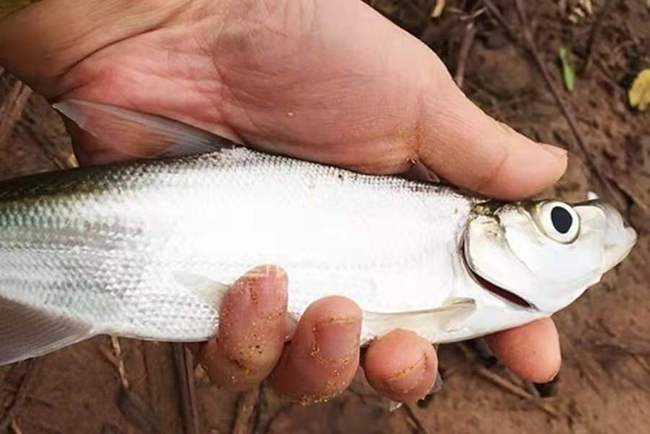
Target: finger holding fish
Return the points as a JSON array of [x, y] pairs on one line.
[[401, 365], [252, 330], [531, 351], [323, 355]]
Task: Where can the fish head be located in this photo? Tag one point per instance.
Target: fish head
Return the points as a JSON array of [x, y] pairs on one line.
[[543, 255]]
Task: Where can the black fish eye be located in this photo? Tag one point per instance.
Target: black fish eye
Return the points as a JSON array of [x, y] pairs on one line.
[[562, 219], [558, 221]]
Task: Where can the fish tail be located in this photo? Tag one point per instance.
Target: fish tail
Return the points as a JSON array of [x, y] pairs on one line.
[[27, 332]]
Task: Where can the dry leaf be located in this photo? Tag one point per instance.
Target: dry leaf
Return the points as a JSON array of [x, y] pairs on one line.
[[639, 93]]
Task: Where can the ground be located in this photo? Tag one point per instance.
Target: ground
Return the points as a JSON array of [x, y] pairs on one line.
[[604, 385]]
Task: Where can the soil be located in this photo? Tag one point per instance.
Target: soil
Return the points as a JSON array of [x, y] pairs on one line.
[[604, 385]]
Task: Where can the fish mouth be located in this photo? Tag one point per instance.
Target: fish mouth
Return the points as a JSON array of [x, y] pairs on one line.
[[620, 237], [503, 294]]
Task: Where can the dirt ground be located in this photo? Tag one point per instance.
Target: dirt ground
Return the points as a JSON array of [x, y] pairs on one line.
[[604, 385]]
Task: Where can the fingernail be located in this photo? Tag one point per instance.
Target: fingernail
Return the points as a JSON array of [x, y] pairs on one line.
[[267, 272], [333, 340], [265, 289], [556, 151]]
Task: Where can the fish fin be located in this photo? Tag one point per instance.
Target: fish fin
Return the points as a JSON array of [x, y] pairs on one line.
[[26, 332], [426, 323], [140, 135], [210, 291], [419, 172]]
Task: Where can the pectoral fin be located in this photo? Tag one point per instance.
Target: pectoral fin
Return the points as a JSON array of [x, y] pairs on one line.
[[138, 134], [426, 323], [210, 291], [26, 332]]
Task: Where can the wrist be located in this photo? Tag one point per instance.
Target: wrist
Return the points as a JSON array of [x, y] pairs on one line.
[[43, 40]]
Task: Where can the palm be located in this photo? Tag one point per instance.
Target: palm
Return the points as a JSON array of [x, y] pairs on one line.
[[291, 86]]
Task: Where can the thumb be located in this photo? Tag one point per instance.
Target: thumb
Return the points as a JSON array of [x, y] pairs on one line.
[[463, 145]]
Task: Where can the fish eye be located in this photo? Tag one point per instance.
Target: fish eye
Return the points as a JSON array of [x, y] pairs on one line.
[[559, 221]]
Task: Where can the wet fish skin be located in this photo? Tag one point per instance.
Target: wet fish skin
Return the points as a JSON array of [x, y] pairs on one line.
[[109, 246]]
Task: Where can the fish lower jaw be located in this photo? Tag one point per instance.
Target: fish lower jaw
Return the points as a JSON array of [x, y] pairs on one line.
[[501, 293], [494, 290]]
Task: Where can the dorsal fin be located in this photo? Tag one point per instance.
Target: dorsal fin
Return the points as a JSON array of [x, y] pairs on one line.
[[139, 135]]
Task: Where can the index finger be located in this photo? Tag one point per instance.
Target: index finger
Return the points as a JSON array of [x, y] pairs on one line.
[[252, 330]]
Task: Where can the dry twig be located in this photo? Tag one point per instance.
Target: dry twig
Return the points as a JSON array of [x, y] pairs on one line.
[[121, 369], [515, 390], [438, 8], [496, 14], [415, 419], [185, 377], [108, 354], [31, 368], [15, 428], [137, 412], [12, 109], [246, 410], [498, 380], [463, 52], [595, 34]]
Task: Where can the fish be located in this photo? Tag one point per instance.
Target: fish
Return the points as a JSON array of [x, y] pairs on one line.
[[147, 248]]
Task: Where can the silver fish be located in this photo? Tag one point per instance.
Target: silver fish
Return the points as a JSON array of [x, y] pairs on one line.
[[146, 249]]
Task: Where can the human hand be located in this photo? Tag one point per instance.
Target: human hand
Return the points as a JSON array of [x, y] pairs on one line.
[[324, 80], [323, 355]]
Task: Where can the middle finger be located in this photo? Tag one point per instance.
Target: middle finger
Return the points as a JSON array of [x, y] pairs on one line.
[[323, 356]]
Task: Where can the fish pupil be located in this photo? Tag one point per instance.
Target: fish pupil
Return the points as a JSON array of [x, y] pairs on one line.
[[561, 219]]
